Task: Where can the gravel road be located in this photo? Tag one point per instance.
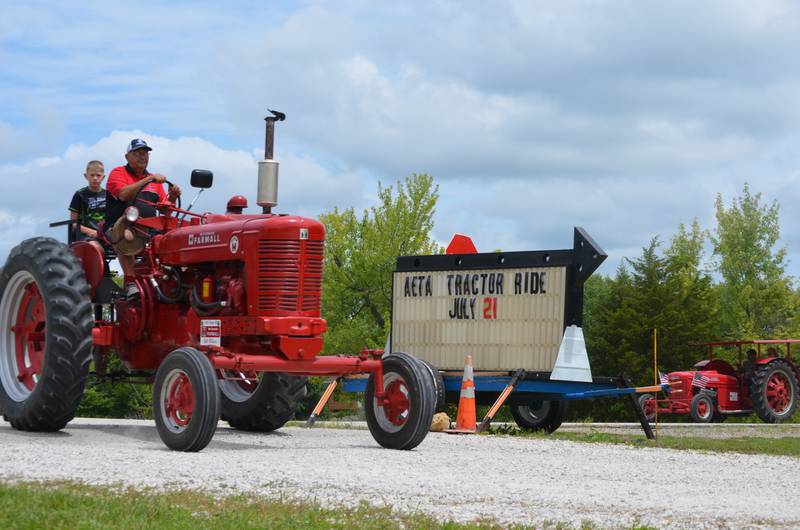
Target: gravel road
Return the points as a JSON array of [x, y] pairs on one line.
[[508, 479]]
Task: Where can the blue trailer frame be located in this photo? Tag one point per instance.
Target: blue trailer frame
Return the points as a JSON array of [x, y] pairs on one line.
[[541, 387]]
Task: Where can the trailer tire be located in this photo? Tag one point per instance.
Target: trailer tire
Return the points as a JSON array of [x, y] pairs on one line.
[[702, 408], [45, 335], [186, 400], [273, 402], [406, 420], [438, 383], [773, 390], [540, 415]]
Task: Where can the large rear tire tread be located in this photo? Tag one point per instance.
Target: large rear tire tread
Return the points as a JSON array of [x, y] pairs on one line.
[[274, 402], [59, 389], [758, 391], [422, 401]]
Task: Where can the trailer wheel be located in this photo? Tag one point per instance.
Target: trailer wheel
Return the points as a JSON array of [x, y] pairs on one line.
[[648, 404], [702, 408], [404, 420], [540, 415], [773, 390], [186, 402], [438, 383], [262, 406], [45, 335]]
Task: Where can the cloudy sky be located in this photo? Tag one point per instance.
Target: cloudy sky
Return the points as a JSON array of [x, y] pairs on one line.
[[626, 118]]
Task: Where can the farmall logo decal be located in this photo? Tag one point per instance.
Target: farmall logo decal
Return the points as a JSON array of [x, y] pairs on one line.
[[203, 238]]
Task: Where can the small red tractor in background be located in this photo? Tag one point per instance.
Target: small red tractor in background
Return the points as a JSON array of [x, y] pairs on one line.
[[764, 381], [227, 324]]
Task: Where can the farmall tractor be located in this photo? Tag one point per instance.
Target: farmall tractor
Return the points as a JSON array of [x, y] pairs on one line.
[[227, 325], [766, 384]]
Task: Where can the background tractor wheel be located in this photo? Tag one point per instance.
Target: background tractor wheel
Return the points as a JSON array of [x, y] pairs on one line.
[[648, 404], [45, 335], [405, 420], [702, 408], [262, 406], [186, 400], [540, 415], [773, 390]]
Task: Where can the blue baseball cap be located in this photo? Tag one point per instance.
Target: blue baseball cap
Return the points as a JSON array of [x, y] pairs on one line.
[[136, 144]]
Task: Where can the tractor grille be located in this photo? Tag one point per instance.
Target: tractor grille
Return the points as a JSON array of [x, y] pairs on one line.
[[289, 276]]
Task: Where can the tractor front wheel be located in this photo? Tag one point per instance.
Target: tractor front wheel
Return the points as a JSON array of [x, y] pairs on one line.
[[702, 408], [648, 404], [773, 390], [261, 404], [404, 417], [186, 402], [45, 335], [540, 415]]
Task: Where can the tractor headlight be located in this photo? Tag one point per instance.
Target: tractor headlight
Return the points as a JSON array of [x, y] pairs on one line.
[[132, 214]]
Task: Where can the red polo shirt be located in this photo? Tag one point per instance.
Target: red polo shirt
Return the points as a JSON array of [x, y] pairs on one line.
[[119, 178]]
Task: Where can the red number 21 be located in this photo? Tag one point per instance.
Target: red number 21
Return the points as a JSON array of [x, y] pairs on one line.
[[490, 308]]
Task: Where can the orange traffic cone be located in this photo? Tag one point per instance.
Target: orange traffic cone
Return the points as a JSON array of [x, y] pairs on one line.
[[465, 421]]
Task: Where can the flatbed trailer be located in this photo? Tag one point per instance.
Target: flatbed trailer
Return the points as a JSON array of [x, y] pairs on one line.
[[535, 387]]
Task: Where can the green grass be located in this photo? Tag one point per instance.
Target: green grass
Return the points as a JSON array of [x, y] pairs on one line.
[[783, 446], [68, 505]]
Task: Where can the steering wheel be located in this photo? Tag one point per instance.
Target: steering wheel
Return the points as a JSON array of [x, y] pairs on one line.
[[169, 187]]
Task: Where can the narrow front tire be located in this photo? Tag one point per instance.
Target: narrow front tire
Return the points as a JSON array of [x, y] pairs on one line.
[[186, 400]]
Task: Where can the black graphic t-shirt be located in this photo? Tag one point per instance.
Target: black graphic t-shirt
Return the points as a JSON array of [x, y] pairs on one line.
[[90, 207]]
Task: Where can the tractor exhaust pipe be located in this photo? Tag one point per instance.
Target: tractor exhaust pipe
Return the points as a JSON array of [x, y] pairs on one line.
[[268, 168]]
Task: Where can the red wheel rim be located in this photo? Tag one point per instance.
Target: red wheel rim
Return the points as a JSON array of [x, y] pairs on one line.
[[649, 407], [397, 403], [702, 409], [779, 392], [179, 400], [29, 333]]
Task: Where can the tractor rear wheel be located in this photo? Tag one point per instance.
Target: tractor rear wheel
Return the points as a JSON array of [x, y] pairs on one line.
[[264, 405], [404, 419], [186, 402], [773, 390], [45, 335], [702, 408], [540, 415]]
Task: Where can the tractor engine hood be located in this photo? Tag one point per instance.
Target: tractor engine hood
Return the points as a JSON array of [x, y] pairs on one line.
[[222, 238]]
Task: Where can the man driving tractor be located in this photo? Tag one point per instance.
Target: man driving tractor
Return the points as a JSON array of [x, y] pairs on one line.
[[126, 184]]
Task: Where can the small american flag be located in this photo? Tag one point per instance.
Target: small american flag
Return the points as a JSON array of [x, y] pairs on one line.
[[699, 380], [664, 378]]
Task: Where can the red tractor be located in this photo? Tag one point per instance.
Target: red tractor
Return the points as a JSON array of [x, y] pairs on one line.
[[764, 381], [227, 325]]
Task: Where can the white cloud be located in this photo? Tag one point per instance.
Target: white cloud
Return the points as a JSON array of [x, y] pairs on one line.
[[38, 192], [626, 118]]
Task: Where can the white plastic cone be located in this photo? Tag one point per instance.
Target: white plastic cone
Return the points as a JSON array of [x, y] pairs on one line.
[[572, 363]]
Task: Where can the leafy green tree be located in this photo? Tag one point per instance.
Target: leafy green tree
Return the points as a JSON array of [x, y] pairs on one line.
[[756, 296], [668, 292], [360, 256]]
